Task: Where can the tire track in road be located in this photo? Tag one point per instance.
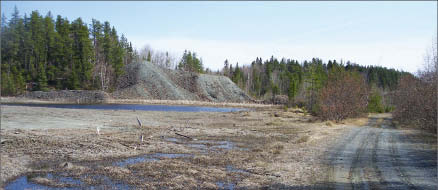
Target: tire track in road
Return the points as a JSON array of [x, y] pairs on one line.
[[381, 158], [378, 172], [336, 160], [357, 169], [398, 166]]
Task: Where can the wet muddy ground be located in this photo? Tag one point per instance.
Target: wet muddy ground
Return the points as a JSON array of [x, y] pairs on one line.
[[264, 148]]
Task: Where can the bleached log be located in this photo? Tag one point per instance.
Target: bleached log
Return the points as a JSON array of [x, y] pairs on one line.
[[139, 122]]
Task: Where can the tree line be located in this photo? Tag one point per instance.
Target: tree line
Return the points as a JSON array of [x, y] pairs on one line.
[[263, 79], [332, 89], [47, 53], [43, 52]]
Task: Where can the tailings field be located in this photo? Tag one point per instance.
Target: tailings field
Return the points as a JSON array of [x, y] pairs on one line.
[[259, 148]]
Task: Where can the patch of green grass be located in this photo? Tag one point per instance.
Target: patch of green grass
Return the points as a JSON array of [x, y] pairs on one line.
[[285, 108]]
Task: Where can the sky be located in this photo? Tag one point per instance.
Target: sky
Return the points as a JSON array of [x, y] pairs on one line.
[[393, 34]]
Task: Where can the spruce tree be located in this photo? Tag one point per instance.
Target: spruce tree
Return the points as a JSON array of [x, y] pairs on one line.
[[83, 54], [50, 47]]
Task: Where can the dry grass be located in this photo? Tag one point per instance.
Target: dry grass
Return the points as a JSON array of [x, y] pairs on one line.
[[146, 101], [276, 148], [283, 152], [303, 139]]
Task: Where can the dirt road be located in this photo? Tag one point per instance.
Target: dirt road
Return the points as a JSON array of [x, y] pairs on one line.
[[378, 156]]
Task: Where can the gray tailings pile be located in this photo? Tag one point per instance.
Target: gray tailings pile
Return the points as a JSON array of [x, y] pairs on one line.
[[148, 81]]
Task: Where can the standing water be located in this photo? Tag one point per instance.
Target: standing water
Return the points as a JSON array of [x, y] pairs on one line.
[[140, 107]]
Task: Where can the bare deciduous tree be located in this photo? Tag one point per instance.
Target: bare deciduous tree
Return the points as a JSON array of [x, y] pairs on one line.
[[160, 58]]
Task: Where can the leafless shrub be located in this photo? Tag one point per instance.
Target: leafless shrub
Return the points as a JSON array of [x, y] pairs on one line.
[[345, 95], [416, 96]]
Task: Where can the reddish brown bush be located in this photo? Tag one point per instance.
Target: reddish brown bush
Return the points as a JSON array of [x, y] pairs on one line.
[[345, 95], [416, 101], [416, 96]]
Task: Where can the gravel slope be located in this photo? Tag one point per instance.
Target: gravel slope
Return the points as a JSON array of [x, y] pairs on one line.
[[148, 81]]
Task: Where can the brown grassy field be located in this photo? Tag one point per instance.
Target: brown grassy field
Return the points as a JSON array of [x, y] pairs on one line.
[[266, 147]]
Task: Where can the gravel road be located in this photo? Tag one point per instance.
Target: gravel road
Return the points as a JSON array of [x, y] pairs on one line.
[[378, 156]]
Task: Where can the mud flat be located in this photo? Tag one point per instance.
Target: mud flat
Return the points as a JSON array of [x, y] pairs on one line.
[[266, 147]]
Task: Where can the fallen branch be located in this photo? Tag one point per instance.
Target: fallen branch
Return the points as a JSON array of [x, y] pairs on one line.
[[139, 122], [266, 174], [184, 136]]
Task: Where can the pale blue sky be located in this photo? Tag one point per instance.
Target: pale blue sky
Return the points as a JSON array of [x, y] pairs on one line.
[[392, 34]]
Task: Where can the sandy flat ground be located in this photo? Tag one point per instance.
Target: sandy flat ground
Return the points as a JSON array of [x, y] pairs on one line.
[[271, 147]]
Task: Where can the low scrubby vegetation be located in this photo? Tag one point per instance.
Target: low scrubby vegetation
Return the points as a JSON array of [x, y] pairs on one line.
[[416, 101], [375, 104], [416, 97], [345, 95]]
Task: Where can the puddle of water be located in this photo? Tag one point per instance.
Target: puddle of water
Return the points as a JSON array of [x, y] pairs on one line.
[[198, 146], [172, 139], [226, 186], [230, 168], [227, 145], [134, 160], [23, 182], [64, 180], [135, 107], [171, 155], [148, 158]]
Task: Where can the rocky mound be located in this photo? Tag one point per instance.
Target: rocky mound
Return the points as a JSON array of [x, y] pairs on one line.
[[148, 81]]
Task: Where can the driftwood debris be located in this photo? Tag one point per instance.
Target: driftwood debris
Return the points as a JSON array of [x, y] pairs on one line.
[[139, 122], [260, 173], [184, 136]]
